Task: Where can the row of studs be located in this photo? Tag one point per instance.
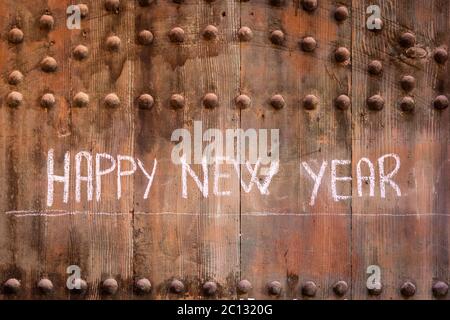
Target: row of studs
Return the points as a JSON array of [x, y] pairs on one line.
[[211, 101], [210, 288]]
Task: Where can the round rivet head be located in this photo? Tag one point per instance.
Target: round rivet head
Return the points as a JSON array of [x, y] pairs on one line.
[[145, 37], [375, 102], [11, 286], [210, 101], [342, 102], [49, 64], [113, 43], [209, 288], [342, 54], [176, 35], [145, 101], [408, 289], [14, 99], [143, 286], [309, 5], [440, 289], [408, 83], [340, 288], [80, 286], [81, 100], [210, 32], [46, 22], [112, 100], [375, 67], [440, 102], [112, 5], [15, 36], [177, 101], [308, 44], [15, 78], [80, 52], [277, 37], [245, 34], [244, 286], [48, 100], [309, 289], [45, 286], [274, 288], [243, 101], [84, 10], [407, 104], [277, 101], [341, 13], [440, 55], [407, 40], [310, 102], [110, 286], [176, 286]]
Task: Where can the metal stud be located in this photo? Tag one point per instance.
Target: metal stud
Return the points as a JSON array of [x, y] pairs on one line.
[[274, 288], [309, 289], [45, 286], [14, 99], [210, 32], [80, 52], [176, 286], [277, 101], [375, 102], [310, 102], [407, 104], [11, 286], [407, 40], [145, 37], [341, 13], [440, 289], [309, 5], [145, 101], [177, 101], [48, 101], [15, 36], [80, 286], [408, 289], [84, 10], [143, 286], [49, 64], [340, 288], [176, 35], [375, 67], [15, 78], [46, 22], [243, 101], [245, 34], [440, 102], [81, 100], [113, 43], [209, 288], [112, 5], [244, 286], [112, 100], [308, 44], [408, 83], [342, 102], [440, 55], [277, 37], [210, 101], [342, 54], [110, 286]]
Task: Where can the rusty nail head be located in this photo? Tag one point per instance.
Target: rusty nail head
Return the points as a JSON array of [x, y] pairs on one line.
[[11, 286], [440, 55], [81, 99], [81, 285], [274, 288], [48, 100], [176, 35], [245, 34], [340, 288], [277, 101], [309, 289], [408, 83], [49, 64], [209, 288], [342, 54], [143, 286], [407, 104], [407, 40], [112, 5], [341, 13], [210, 32], [80, 52], [440, 289], [342, 102], [244, 286], [210, 101], [145, 101], [177, 101], [310, 102], [110, 286], [243, 101], [308, 44], [277, 37], [145, 37], [375, 67], [46, 22], [15, 78], [15, 36], [408, 289], [45, 286], [309, 5], [14, 99], [176, 286], [375, 102], [112, 100], [440, 102], [113, 43]]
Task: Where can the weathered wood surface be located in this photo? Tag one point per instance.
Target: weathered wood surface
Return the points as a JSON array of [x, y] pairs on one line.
[[261, 238]]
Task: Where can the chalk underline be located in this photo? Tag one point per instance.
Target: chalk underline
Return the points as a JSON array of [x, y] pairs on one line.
[[62, 213]]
